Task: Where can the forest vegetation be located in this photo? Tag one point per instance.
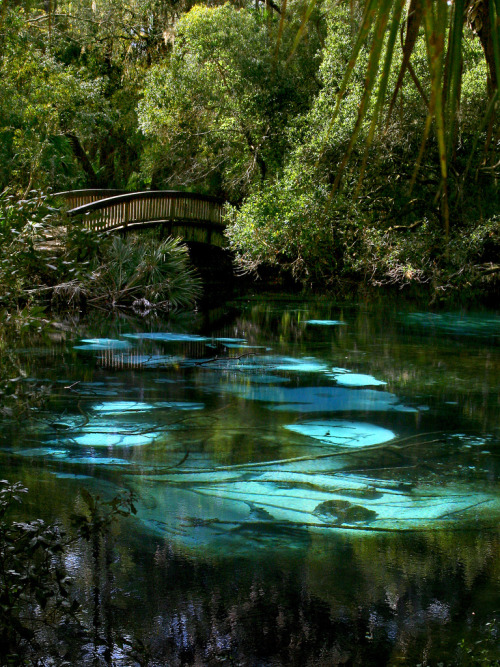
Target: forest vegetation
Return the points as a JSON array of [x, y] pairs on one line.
[[355, 142]]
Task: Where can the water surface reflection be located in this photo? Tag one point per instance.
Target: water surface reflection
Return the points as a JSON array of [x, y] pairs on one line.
[[317, 485]]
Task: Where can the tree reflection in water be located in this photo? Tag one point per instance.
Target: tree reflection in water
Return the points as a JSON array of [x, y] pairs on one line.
[[316, 487]]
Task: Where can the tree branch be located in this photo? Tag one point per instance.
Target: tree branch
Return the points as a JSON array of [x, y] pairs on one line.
[[83, 159]]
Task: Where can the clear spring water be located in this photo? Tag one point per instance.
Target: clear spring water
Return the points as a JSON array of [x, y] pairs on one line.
[[317, 485]]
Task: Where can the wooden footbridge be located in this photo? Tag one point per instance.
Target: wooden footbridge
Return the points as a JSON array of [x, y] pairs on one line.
[[190, 216]]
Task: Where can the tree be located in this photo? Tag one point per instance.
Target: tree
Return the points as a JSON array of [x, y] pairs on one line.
[[48, 108], [71, 74], [218, 110], [357, 194]]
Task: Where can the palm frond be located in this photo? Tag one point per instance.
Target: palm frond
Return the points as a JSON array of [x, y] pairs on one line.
[[442, 23], [146, 267]]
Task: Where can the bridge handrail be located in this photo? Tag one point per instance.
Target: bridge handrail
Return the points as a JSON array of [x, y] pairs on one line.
[[75, 198], [202, 215], [108, 192], [145, 194]]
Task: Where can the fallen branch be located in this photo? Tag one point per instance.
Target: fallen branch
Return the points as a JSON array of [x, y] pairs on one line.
[[488, 269], [404, 228], [212, 359]]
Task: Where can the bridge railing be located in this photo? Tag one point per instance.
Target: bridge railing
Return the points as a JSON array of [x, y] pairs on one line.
[[140, 208], [75, 198]]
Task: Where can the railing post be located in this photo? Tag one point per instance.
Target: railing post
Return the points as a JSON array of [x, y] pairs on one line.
[[127, 214]]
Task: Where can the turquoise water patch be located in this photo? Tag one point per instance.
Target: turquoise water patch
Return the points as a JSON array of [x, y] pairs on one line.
[[239, 507], [245, 346], [343, 433], [112, 436], [257, 363], [99, 389], [102, 430], [180, 405], [168, 337], [189, 517], [355, 380], [108, 425], [118, 407], [303, 365], [70, 475], [318, 399], [102, 344], [277, 363], [325, 323], [99, 460], [265, 379], [50, 452]]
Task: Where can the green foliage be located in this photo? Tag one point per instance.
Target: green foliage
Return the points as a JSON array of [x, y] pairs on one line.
[[144, 271], [25, 225], [45, 102], [220, 106], [34, 587], [70, 266], [339, 122], [380, 226], [484, 651], [288, 224], [441, 26], [70, 81]]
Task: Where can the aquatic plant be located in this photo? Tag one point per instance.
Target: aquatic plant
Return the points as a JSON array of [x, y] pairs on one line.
[[483, 652]]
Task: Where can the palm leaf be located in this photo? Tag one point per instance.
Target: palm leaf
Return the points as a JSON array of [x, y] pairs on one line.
[[443, 23], [384, 82], [301, 30], [370, 78], [454, 71], [412, 27], [366, 23], [435, 25]]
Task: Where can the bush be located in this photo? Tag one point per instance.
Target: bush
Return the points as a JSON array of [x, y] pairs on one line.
[[25, 225], [144, 271], [291, 224]]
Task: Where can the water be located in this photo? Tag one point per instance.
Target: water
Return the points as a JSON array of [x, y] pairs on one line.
[[317, 485]]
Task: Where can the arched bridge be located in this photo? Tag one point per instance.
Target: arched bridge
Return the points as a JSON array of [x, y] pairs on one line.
[[193, 217]]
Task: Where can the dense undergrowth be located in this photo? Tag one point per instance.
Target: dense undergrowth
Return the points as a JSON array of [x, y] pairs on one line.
[[47, 263]]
